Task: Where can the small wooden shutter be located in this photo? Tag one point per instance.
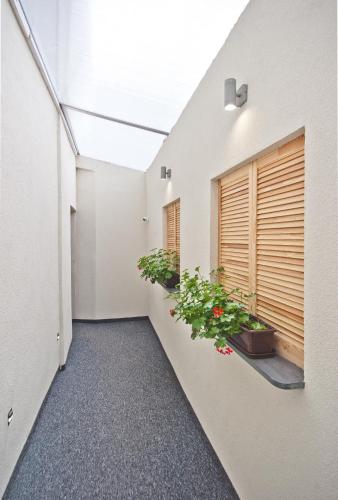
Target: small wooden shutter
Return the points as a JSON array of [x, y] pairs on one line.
[[234, 217], [173, 226], [280, 245], [261, 240], [177, 226]]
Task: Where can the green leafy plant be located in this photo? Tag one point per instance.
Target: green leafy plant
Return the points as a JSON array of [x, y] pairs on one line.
[[255, 325], [208, 308], [159, 266]]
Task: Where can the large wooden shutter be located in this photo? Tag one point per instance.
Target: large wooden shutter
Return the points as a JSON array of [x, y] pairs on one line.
[[173, 226], [261, 240], [280, 245]]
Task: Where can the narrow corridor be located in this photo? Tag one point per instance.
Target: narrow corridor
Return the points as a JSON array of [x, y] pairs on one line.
[[117, 425]]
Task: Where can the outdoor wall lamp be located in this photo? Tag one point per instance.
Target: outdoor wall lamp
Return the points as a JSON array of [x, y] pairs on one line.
[[165, 173], [234, 98]]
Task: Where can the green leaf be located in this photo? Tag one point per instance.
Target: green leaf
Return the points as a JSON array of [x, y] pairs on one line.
[[197, 323], [220, 342]]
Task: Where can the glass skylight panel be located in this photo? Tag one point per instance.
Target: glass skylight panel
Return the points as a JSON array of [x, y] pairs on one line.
[[138, 61], [119, 144]]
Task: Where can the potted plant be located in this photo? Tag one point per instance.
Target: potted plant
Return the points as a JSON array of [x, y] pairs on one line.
[[208, 308], [160, 266], [213, 313], [256, 339]]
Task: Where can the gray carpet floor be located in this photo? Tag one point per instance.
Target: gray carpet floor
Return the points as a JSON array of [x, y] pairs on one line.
[[117, 425]]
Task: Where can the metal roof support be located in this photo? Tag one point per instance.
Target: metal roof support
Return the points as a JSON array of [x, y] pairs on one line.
[[116, 120]]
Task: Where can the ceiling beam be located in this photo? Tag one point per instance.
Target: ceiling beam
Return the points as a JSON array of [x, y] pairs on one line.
[[116, 120]]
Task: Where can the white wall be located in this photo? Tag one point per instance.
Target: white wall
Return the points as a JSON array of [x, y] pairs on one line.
[[29, 281], [110, 237], [84, 247], [274, 444], [67, 193]]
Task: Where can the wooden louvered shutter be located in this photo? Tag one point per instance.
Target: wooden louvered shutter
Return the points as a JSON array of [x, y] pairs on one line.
[[261, 240], [173, 226], [280, 245], [177, 225], [234, 229]]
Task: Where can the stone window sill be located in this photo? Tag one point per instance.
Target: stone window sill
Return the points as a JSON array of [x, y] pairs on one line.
[[278, 371]]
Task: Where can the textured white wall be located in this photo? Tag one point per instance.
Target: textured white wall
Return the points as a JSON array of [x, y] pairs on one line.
[[84, 246], [110, 236], [29, 282], [67, 167], [274, 444]]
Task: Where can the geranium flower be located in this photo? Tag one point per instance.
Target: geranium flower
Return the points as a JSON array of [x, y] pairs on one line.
[[225, 350], [218, 311]]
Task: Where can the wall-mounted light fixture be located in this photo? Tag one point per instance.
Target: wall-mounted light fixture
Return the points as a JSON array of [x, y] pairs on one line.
[[234, 98], [165, 173]]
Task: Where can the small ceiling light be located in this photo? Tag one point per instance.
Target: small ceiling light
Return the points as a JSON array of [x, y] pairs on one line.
[[165, 173], [234, 98]]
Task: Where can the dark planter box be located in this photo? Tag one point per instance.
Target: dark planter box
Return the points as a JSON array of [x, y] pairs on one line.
[[255, 343], [172, 282]]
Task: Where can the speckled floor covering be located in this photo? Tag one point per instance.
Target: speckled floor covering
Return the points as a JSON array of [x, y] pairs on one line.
[[116, 425]]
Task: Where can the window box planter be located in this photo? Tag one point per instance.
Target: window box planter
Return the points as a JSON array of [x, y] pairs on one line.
[[172, 282], [159, 264], [255, 343]]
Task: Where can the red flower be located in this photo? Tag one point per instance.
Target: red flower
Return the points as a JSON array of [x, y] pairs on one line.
[[225, 350], [218, 311], [172, 312]]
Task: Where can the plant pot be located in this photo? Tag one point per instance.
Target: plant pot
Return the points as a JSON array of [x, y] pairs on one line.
[[255, 343], [172, 282]]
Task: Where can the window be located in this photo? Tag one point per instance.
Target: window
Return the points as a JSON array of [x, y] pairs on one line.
[[173, 226], [261, 241]]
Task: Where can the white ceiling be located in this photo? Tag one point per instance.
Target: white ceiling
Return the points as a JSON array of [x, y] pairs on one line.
[[138, 61]]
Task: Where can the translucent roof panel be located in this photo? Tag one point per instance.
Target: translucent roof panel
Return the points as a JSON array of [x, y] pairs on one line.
[[139, 61], [115, 143]]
